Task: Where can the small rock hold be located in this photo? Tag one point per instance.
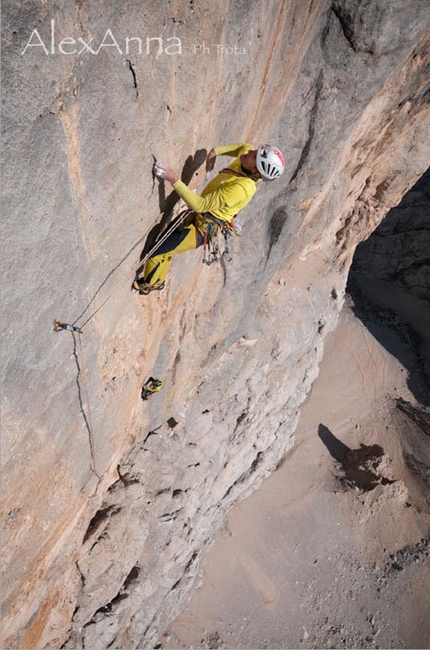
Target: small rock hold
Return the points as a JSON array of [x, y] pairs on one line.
[[12, 514]]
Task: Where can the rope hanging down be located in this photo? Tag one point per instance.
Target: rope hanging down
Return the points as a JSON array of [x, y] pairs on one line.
[[59, 325], [90, 425]]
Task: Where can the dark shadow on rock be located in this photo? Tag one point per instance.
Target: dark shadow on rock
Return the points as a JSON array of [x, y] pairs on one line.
[[414, 437], [418, 414], [276, 225], [358, 467], [335, 446], [389, 283], [394, 332]]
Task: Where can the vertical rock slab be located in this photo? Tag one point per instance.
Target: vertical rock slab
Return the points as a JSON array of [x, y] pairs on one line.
[[93, 92]]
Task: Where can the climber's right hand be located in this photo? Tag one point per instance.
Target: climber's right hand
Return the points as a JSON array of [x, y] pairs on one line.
[[167, 173]]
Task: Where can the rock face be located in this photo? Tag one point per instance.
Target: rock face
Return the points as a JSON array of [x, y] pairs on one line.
[[333, 550], [390, 282], [109, 502]]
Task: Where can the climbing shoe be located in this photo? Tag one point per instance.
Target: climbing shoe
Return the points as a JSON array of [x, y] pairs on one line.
[[144, 288]]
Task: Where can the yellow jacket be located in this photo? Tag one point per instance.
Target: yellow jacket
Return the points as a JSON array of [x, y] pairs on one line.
[[225, 194]]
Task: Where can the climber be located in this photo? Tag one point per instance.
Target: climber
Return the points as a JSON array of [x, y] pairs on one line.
[[220, 201], [150, 387]]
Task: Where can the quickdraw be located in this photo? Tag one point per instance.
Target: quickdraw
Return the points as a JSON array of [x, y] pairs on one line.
[[211, 249], [210, 244]]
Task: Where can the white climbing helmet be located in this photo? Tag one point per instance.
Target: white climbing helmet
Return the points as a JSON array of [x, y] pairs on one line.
[[270, 162]]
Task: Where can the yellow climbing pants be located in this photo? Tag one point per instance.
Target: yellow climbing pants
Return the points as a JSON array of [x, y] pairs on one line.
[[185, 238]]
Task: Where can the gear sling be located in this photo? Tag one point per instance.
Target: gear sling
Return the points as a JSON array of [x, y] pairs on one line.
[[188, 237]]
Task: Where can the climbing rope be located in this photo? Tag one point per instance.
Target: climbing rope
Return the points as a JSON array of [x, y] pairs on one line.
[[73, 328], [87, 397], [59, 325], [210, 241]]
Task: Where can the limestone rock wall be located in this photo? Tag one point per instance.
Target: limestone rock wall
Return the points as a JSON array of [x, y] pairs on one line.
[[100, 549], [389, 282]]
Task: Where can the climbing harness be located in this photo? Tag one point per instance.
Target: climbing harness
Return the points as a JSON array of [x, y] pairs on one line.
[[215, 227], [150, 387]]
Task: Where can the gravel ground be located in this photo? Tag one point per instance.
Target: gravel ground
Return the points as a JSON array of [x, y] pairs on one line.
[[315, 558]]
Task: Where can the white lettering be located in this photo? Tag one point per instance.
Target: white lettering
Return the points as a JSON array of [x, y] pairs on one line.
[[67, 41], [53, 36], [127, 43], [177, 46], [200, 48], [70, 45], [113, 44], [86, 45], [39, 44], [229, 49], [160, 44]]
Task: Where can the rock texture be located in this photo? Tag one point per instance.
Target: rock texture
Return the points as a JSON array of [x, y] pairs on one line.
[[390, 283], [314, 558], [109, 502]]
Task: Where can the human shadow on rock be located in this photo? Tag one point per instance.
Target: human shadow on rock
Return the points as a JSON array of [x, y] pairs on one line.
[[168, 203], [357, 467]]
